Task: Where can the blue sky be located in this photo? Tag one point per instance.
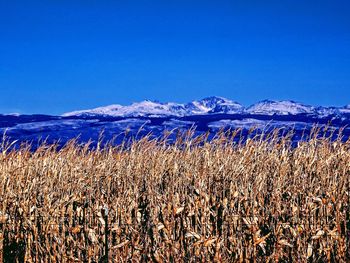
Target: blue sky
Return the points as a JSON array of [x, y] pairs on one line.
[[57, 56]]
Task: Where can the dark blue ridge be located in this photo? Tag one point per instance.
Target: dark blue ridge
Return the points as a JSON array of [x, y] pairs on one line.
[[37, 128]]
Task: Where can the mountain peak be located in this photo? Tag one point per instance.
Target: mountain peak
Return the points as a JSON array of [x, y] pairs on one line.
[[215, 98], [278, 101], [282, 107], [210, 105], [213, 104], [106, 110]]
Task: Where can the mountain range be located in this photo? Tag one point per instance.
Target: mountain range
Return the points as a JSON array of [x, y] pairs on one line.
[[210, 105], [206, 115]]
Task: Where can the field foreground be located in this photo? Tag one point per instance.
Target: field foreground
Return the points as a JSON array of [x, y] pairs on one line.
[[261, 200]]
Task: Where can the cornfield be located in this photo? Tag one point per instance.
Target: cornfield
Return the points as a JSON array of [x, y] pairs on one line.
[[194, 200]]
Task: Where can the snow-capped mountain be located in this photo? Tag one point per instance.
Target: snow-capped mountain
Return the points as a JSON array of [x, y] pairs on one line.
[[157, 109], [322, 112], [151, 117], [144, 108], [286, 107], [108, 110], [211, 105]]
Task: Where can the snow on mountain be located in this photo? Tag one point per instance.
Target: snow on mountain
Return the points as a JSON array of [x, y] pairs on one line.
[[345, 109], [144, 108], [210, 105], [108, 110], [150, 108], [215, 115], [157, 109], [327, 111], [228, 108], [287, 107], [332, 111], [213, 105]]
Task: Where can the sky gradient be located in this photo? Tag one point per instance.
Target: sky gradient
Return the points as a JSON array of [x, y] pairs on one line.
[[58, 56]]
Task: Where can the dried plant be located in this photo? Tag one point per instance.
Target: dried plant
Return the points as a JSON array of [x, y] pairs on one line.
[[194, 200]]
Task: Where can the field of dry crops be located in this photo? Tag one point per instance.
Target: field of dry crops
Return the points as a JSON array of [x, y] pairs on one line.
[[192, 201]]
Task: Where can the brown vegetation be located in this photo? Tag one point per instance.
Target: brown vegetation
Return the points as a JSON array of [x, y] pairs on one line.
[[194, 200]]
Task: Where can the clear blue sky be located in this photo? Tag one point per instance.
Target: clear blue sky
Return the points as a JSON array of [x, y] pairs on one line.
[[58, 55]]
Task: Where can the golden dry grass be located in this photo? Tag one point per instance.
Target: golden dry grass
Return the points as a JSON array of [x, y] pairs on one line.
[[261, 201]]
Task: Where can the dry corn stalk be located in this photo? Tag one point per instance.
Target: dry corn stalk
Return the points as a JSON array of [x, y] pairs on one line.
[[193, 200]]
